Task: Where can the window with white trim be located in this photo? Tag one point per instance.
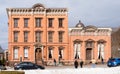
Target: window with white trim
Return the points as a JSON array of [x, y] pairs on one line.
[[26, 52], [15, 50], [101, 51], [77, 49]]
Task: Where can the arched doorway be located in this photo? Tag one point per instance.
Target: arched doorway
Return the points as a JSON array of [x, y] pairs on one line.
[[38, 55]]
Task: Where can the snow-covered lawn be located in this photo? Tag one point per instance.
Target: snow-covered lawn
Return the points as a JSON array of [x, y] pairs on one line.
[[112, 70]]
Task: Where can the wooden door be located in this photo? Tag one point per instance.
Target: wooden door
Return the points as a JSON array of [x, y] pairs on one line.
[[88, 54], [38, 54]]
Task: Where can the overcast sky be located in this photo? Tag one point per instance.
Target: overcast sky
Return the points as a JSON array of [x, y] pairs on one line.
[[100, 13]]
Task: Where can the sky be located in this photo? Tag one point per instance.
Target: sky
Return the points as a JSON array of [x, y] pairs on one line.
[[100, 13]]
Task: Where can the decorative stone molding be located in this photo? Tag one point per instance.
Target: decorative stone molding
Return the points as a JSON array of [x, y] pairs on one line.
[[37, 9]]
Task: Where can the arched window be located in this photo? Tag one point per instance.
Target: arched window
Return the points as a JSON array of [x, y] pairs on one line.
[[101, 48], [77, 48]]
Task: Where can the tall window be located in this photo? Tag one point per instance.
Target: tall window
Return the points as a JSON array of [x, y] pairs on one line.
[[77, 47], [38, 35], [25, 52], [60, 33], [60, 52], [60, 22], [101, 48], [25, 36], [26, 22], [50, 53], [50, 36], [16, 36], [38, 22], [50, 22], [16, 22], [15, 50]]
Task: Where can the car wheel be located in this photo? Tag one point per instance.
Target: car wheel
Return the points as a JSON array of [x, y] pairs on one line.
[[38, 68], [20, 68]]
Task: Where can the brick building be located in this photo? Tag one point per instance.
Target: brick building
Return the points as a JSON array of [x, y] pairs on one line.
[[88, 42], [39, 34]]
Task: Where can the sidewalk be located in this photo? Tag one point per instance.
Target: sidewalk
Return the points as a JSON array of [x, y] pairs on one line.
[[71, 67]]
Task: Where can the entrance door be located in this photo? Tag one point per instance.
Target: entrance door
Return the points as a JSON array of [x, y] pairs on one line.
[[88, 53], [38, 54]]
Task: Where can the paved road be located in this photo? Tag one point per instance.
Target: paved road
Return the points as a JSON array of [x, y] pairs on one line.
[[70, 67]]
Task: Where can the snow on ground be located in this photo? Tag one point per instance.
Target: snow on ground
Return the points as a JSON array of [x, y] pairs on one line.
[[113, 70]]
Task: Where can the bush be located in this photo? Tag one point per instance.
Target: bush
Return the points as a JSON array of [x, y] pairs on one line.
[[12, 72], [2, 62]]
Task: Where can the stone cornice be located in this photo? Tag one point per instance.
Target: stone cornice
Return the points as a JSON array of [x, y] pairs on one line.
[[36, 11]]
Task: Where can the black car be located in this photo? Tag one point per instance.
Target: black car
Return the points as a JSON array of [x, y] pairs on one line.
[[27, 66], [2, 67]]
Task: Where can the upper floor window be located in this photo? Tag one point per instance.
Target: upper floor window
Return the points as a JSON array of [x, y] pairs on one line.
[[16, 36], [60, 22], [25, 36], [60, 34], [38, 36], [50, 36], [26, 22], [16, 22], [38, 22], [50, 22]]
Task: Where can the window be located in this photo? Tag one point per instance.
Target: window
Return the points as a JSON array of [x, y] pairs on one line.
[[25, 36], [15, 50], [101, 48], [50, 53], [38, 22], [38, 35], [60, 22], [16, 36], [50, 36], [60, 33], [60, 52], [77, 48], [26, 22], [25, 52], [16, 22], [50, 22]]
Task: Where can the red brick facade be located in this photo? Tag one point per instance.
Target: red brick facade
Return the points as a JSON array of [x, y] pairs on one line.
[[41, 34]]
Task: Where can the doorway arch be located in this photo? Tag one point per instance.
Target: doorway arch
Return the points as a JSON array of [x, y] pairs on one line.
[[38, 55]]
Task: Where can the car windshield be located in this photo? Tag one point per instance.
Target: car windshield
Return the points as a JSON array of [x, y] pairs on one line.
[[112, 59]]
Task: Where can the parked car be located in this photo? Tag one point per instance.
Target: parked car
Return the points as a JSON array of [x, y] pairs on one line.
[[27, 66], [2, 67], [113, 62]]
